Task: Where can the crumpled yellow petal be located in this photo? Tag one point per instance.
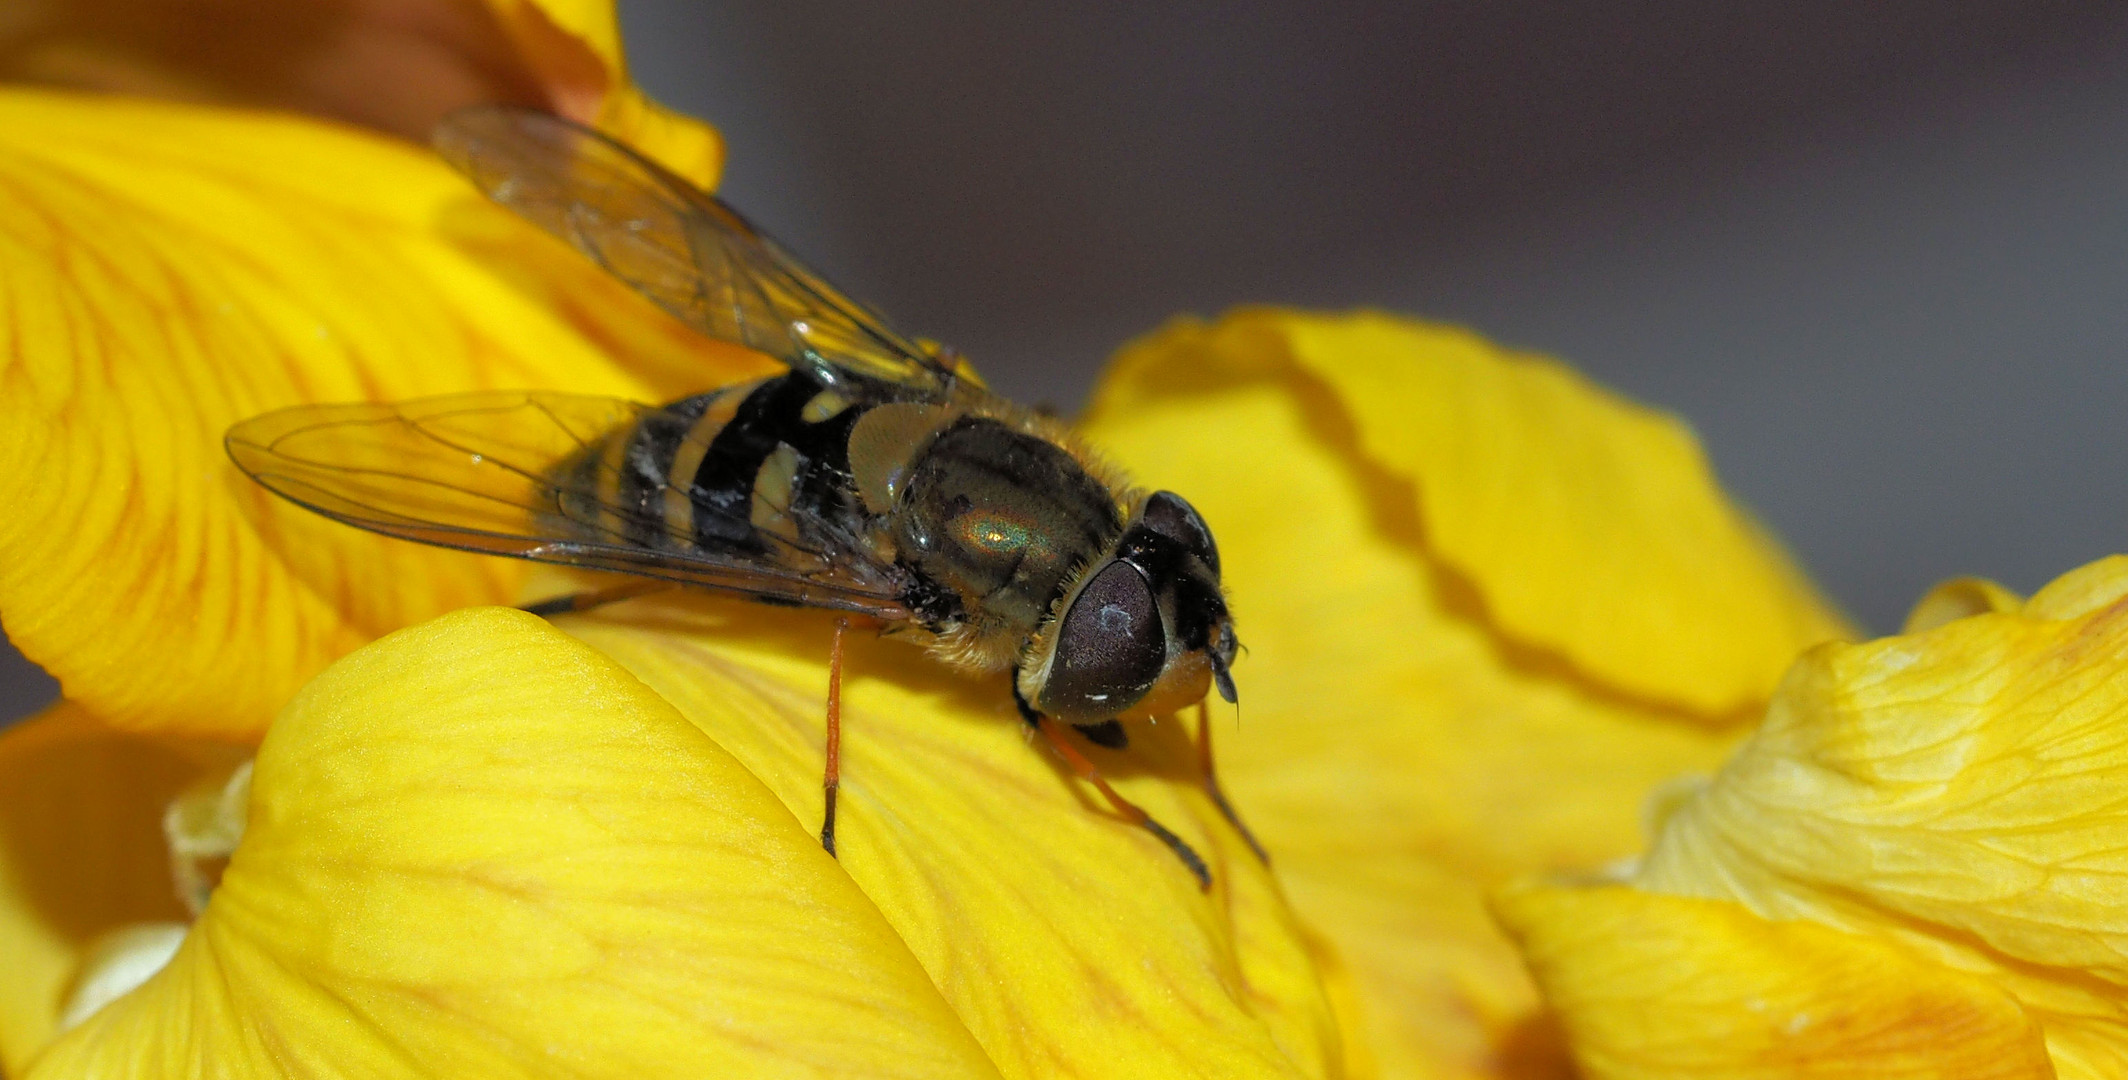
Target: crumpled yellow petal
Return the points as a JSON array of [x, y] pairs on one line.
[[1955, 793], [574, 48], [1655, 987], [166, 271], [1070, 942], [81, 855], [478, 848], [1395, 748]]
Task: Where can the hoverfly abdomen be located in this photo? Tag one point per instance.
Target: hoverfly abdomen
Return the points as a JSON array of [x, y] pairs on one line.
[[759, 470]]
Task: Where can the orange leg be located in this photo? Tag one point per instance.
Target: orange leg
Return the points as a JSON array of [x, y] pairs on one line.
[[1130, 810], [1211, 781], [832, 780]]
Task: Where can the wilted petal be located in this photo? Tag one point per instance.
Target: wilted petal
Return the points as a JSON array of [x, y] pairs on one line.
[[478, 848], [1955, 795], [1070, 942], [166, 271], [1401, 744], [81, 856]]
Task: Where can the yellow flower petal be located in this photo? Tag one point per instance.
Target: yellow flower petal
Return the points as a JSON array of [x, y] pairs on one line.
[[1070, 942], [478, 848], [1395, 749], [574, 47], [1583, 523], [166, 271], [81, 854], [1658, 987], [1956, 793]]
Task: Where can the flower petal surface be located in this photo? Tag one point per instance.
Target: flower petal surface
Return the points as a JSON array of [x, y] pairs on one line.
[[1070, 942], [1398, 748], [166, 271], [81, 855], [478, 848], [1953, 794]]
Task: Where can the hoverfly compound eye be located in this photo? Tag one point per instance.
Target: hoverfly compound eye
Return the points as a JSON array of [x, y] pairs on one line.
[[1110, 648], [1167, 514]]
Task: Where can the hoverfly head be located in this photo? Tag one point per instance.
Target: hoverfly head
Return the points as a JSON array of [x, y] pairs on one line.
[[1144, 630]]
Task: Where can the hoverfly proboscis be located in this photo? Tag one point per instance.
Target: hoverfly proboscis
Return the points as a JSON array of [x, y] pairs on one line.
[[872, 478]]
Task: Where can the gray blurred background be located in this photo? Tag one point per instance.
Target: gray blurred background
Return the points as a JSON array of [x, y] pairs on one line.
[[1877, 253]]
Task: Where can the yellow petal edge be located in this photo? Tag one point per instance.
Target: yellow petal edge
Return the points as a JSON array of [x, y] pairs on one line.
[[478, 848], [1584, 524], [1951, 796]]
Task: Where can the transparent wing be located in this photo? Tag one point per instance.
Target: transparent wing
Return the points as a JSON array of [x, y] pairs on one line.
[[679, 245], [495, 473]]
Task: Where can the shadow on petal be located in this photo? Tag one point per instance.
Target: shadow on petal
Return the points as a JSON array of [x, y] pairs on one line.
[[81, 855]]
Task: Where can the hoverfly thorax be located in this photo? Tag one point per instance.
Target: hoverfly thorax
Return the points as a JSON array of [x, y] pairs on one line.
[[1144, 629]]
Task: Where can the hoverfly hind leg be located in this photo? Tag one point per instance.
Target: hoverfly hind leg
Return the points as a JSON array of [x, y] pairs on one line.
[[831, 777]]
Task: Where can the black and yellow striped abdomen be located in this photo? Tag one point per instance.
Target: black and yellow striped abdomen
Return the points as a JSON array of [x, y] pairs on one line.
[[980, 522]]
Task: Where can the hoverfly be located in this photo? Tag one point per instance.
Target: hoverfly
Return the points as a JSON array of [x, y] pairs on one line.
[[873, 477]]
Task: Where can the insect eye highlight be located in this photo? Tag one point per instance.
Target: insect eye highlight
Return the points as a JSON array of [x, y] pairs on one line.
[[1110, 648]]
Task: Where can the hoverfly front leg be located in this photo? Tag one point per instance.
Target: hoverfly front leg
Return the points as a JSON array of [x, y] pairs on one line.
[[1211, 781], [831, 779], [1131, 811]]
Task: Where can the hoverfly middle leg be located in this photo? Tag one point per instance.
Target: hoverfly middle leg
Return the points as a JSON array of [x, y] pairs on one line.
[[831, 778], [1130, 811], [1211, 781]]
